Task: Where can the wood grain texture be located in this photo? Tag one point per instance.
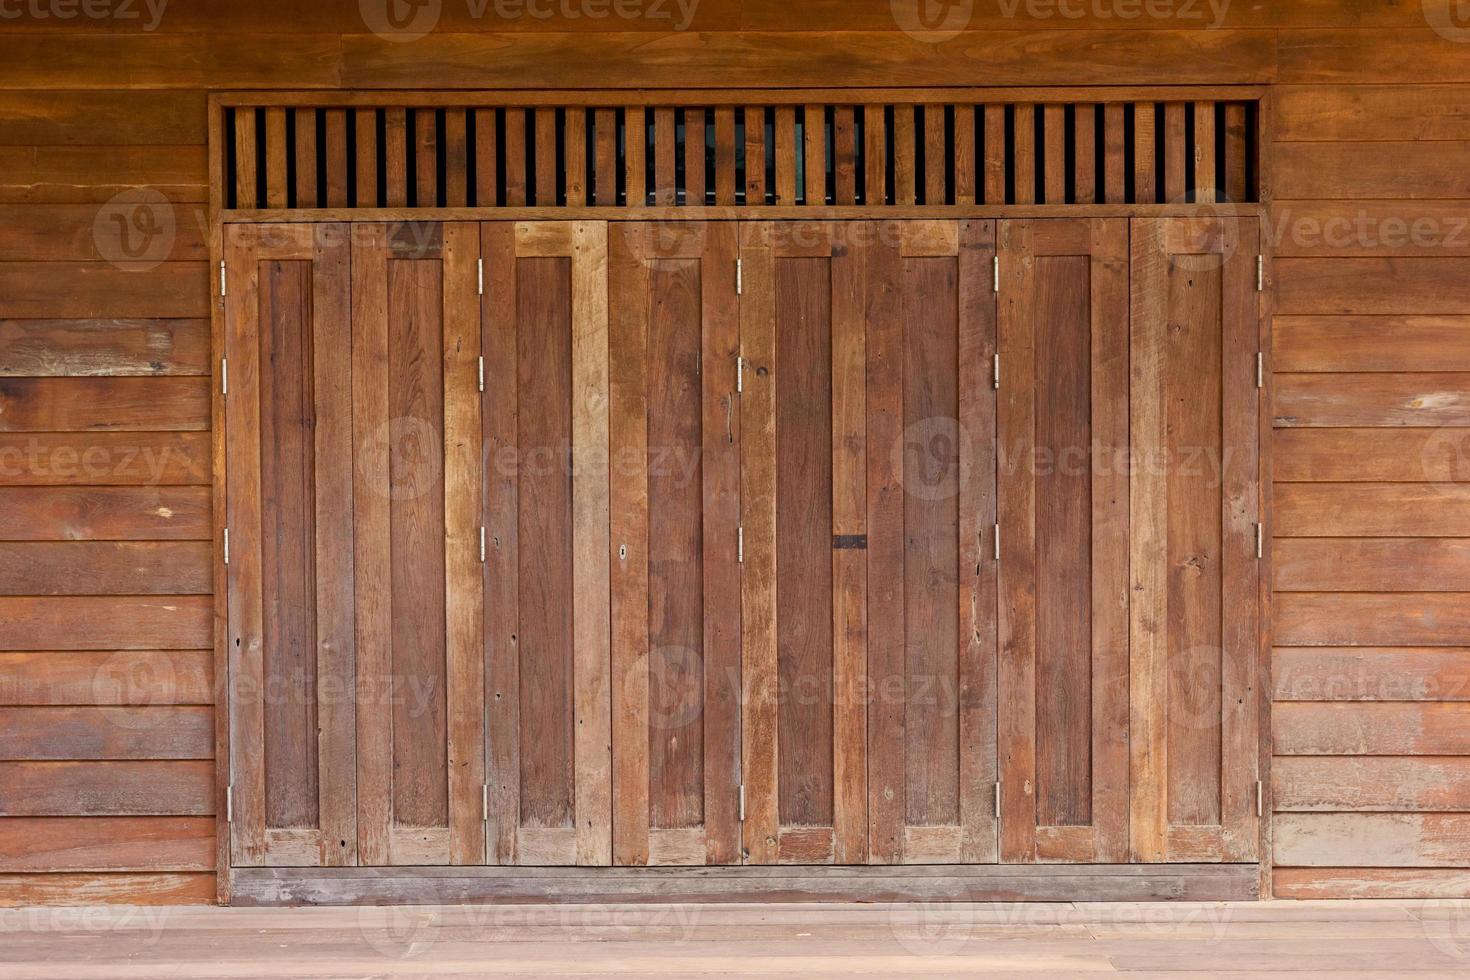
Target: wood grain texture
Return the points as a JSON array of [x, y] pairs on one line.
[[105, 568], [106, 677], [1370, 343], [77, 844]]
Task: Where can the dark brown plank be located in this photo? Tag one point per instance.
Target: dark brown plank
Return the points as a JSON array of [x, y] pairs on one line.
[[106, 623], [136, 677], [161, 788], [77, 733], [103, 404], [104, 513], [96, 290], [105, 568], [60, 348], [105, 458]]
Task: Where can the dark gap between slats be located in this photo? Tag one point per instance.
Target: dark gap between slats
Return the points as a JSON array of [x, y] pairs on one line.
[[232, 169], [261, 157], [1130, 193]]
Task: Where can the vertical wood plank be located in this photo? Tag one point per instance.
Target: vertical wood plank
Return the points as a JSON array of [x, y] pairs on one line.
[[515, 158], [1145, 190], [591, 571], [636, 153], [456, 160], [575, 151], [665, 149], [995, 154], [628, 420], [758, 572], [545, 148], [725, 156], [936, 154], [463, 592], [1084, 173], [306, 174], [875, 156], [1115, 161], [365, 158], [1175, 152], [1054, 127], [1204, 153], [605, 163], [786, 152], [905, 180], [814, 132], [487, 191], [1235, 153], [499, 407], [395, 149], [245, 159], [276, 152], [844, 164], [426, 155], [694, 158], [965, 166], [1024, 153]]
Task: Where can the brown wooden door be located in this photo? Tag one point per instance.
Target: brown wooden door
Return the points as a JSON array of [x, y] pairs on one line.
[[415, 531], [547, 570], [675, 441], [288, 434], [1196, 579], [1063, 504]]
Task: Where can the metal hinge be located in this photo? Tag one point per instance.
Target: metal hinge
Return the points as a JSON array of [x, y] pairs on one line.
[[224, 375], [223, 291], [995, 278], [995, 372], [1260, 273], [740, 544], [227, 546], [485, 803], [1260, 540], [482, 372], [229, 804], [742, 803], [739, 277], [481, 274], [739, 374], [1260, 369], [482, 544], [1260, 799], [997, 542], [997, 799]]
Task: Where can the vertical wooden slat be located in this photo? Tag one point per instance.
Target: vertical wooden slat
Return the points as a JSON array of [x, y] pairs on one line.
[[628, 420], [591, 570], [1054, 127], [487, 193], [574, 143], [1084, 173], [463, 594], [339, 164], [786, 151], [1115, 160], [936, 156], [1205, 181], [426, 154], [875, 156], [725, 156], [545, 122], [844, 165], [1144, 181], [758, 572], [245, 160], [665, 149], [995, 154], [276, 152], [605, 164], [515, 158], [366, 159], [814, 132], [694, 158], [395, 137], [636, 152], [500, 409], [1175, 153], [306, 190], [456, 159], [905, 180], [1024, 153], [965, 172], [1235, 153]]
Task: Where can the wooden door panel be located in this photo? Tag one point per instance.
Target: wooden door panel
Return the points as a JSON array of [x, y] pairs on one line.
[[1063, 432], [1194, 565], [675, 517], [547, 613], [415, 353], [289, 456]]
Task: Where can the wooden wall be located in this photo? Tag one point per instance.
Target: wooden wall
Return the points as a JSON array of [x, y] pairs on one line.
[[106, 783]]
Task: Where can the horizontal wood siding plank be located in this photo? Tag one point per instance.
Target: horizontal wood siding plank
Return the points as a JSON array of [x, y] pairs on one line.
[[1364, 171], [76, 733], [1368, 883], [104, 513], [209, 60], [102, 118], [1360, 619], [86, 233], [1371, 565], [1371, 673], [1340, 113], [104, 404], [106, 623], [1364, 510], [108, 889], [106, 568], [1371, 728], [83, 348], [1380, 840], [1371, 783], [106, 677], [105, 459], [1370, 343], [1369, 400], [95, 789], [69, 844], [100, 289], [1345, 229], [1372, 285], [1371, 455], [97, 174]]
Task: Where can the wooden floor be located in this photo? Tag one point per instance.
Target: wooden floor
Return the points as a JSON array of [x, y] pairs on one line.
[[1305, 939]]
